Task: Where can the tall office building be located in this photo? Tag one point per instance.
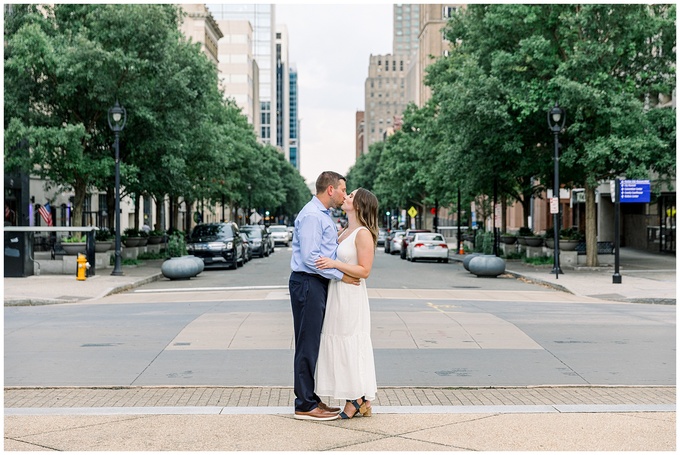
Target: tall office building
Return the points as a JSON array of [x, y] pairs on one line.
[[433, 45], [282, 91], [199, 26], [238, 70], [293, 124], [406, 27], [384, 96], [391, 81], [263, 20]]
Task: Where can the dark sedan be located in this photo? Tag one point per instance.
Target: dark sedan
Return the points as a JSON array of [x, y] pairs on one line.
[[259, 239]]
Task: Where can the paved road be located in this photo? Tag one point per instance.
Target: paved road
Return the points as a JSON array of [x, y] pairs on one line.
[[234, 328]]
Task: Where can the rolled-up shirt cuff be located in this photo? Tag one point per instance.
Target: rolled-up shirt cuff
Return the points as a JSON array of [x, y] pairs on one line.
[[331, 274]]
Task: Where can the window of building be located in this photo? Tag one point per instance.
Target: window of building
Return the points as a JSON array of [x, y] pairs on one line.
[[448, 11]]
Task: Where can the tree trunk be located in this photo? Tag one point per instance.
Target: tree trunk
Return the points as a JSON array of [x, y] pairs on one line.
[[504, 214], [111, 208], [138, 201], [160, 222], [189, 216], [80, 190], [591, 227]]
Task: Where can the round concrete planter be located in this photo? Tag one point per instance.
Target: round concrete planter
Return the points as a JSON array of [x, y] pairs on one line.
[[468, 258], [532, 241], [103, 246], [155, 239], [199, 263], [181, 268], [131, 241], [487, 265], [73, 249], [565, 245], [568, 245], [508, 239]]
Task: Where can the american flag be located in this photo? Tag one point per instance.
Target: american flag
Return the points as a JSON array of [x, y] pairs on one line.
[[46, 214]]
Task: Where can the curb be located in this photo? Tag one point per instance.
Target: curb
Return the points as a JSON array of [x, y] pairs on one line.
[[127, 287]]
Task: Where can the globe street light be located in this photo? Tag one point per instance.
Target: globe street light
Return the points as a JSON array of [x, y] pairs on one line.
[[556, 118], [117, 118]]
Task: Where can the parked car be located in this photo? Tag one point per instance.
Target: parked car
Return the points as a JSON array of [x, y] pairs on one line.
[[279, 234], [247, 248], [217, 243], [393, 242], [259, 239], [382, 235], [408, 236], [427, 245]]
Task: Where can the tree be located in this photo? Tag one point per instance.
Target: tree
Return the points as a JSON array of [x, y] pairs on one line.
[[599, 61], [63, 71]]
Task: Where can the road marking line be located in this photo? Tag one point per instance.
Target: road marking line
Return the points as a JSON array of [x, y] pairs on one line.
[[234, 288]]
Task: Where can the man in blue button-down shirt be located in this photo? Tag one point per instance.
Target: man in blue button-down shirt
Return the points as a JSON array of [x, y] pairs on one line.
[[315, 235]]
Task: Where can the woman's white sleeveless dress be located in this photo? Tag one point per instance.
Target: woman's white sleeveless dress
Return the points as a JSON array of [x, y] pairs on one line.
[[345, 369]]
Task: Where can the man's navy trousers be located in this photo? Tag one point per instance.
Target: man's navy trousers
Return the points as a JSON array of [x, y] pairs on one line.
[[308, 294]]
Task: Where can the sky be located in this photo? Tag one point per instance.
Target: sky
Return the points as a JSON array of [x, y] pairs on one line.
[[330, 46]]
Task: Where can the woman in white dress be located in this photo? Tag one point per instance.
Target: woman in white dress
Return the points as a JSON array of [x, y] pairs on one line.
[[345, 368]]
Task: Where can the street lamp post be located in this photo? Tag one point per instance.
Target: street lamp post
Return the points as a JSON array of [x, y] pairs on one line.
[[250, 200], [117, 118], [556, 119]]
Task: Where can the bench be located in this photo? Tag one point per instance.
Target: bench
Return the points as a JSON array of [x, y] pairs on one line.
[[602, 248]]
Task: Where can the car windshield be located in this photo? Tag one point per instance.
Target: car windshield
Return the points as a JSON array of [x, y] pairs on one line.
[[278, 229], [253, 232], [212, 230], [432, 237]]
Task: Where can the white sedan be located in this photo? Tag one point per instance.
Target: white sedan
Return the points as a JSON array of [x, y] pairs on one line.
[[280, 234], [428, 245]]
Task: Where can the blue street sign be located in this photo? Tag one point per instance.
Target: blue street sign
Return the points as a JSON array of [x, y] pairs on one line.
[[635, 191]]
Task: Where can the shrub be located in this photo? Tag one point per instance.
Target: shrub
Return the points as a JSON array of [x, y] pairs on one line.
[[526, 232], [177, 245], [103, 235], [539, 260], [131, 232], [571, 234]]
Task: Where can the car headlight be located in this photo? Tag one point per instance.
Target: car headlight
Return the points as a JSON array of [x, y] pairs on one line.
[[230, 245]]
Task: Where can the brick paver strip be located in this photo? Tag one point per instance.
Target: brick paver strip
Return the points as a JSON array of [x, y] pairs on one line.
[[96, 397]]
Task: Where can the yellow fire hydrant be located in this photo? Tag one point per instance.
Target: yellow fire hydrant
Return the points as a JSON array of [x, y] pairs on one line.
[[83, 265]]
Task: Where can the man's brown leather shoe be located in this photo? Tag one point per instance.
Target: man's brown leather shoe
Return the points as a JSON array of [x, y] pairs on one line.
[[325, 407], [316, 414]]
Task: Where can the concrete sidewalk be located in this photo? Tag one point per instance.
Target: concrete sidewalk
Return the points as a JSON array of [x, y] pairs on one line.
[[404, 419], [646, 278]]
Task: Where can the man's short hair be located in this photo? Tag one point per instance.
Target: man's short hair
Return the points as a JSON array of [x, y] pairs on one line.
[[326, 179]]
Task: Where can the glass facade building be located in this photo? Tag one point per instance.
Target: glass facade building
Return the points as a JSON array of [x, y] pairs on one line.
[[262, 18], [294, 151]]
